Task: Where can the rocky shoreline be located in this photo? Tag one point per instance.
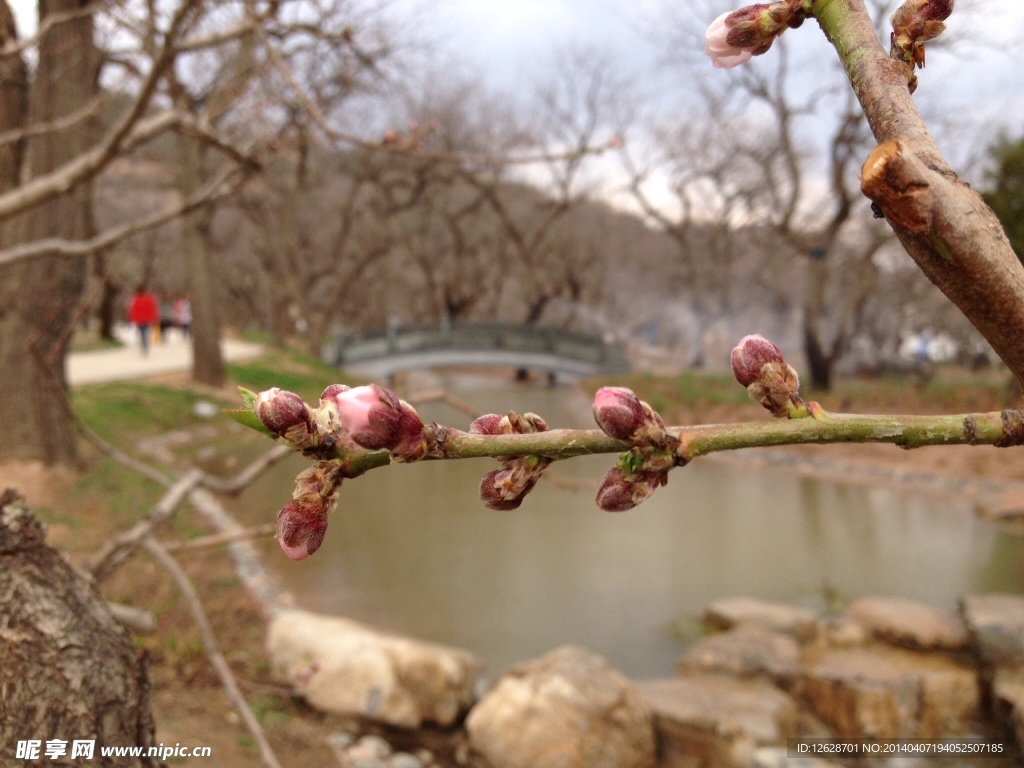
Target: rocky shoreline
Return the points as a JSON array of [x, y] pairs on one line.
[[886, 668]]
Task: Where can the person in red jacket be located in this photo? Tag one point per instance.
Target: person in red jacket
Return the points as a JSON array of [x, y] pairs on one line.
[[143, 312]]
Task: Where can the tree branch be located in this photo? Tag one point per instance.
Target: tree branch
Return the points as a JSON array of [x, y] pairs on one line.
[[218, 539], [92, 109], [217, 659], [945, 226], [129, 130], [217, 188], [999, 428], [115, 551]]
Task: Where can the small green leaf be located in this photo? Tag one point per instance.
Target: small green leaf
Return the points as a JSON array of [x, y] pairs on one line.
[[248, 398], [630, 461], [248, 419]]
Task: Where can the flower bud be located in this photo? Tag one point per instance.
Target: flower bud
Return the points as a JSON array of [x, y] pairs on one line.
[[333, 391], [622, 415], [280, 410], [618, 412], [504, 489], [525, 424], [302, 522], [716, 45], [488, 424], [735, 37], [376, 419], [916, 22], [758, 365], [778, 390], [615, 493], [301, 529], [750, 355], [621, 490]]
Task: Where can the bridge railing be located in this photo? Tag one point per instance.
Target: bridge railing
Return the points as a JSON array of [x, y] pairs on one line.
[[379, 343]]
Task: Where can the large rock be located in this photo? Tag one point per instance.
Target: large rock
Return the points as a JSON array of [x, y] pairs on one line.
[[747, 651], [569, 708], [716, 721], [344, 667], [889, 693], [910, 624], [1008, 704], [996, 624], [787, 619], [842, 632]]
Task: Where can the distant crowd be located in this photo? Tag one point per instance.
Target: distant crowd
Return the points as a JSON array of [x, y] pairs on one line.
[[155, 317]]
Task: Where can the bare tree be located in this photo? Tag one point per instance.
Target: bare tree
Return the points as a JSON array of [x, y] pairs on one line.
[[579, 111], [749, 166], [186, 68], [39, 300]]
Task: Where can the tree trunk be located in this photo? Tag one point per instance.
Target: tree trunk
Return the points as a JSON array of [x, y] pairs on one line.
[[819, 362], [107, 312], [819, 365], [39, 299], [207, 361], [68, 670]]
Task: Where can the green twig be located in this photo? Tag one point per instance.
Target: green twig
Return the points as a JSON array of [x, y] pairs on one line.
[[1000, 428]]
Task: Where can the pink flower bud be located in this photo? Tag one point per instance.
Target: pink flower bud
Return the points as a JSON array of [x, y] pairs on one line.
[[497, 493], [621, 491], [302, 522], [618, 412], [735, 37], [376, 418], [758, 365], [504, 489], [488, 424], [615, 493], [301, 529], [333, 391], [750, 356], [356, 405], [716, 45], [937, 10], [280, 410]]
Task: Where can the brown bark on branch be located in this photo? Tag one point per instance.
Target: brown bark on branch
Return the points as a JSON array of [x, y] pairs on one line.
[[945, 226]]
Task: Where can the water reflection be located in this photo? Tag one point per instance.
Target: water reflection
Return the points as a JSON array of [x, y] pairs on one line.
[[411, 549]]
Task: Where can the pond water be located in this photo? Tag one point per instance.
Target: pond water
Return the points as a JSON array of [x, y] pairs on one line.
[[412, 550]]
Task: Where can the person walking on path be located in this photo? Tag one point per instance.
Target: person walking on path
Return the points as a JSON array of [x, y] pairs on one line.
[[143, 313], [183, 315], [166, 317]]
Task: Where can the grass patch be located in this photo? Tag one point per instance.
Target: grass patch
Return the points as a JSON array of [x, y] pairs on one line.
[[126, 495], [304, 375], [272, 710], [122, 412]]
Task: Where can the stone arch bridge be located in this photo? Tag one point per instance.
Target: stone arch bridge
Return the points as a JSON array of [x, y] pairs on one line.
[[381, 353]]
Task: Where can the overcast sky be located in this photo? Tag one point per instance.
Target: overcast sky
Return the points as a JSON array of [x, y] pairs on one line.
[[511, 43]]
